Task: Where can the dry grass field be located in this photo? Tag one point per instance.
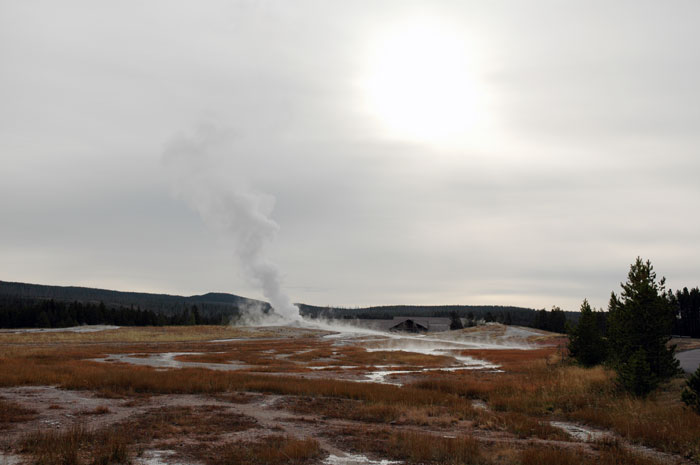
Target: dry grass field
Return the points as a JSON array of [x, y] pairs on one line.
[[218, 395]]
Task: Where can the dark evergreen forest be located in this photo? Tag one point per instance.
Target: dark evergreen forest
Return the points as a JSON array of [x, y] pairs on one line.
[[553, 320], [30, 313], [34, 305], [687, 305]]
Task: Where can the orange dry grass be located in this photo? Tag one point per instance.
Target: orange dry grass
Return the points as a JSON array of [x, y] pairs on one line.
[[138, 334], [325, 354], [537, 389], [273, 450], [281, 354], [608, 456], [267, 355], [521, 425], [414, 447], [11, 412], [665, 425], [522, 399], [354, 355], [380, 412], [201, 422], [587, 395], [76, 445], [122, 379], [426, 448], [250, 362], [512, 360]]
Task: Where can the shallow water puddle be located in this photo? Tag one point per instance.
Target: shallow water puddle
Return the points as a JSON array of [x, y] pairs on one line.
[[335, 367], [381, 376], [72, 329], [168, 360], [427, 346], [9, 459], [580, 432], [160, 457], [480, 405], [352, 459]]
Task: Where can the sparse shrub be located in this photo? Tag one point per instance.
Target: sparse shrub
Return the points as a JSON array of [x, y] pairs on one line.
[[613, 455], [542, 455], [691, 393], [112, 447], [426, 448], [11, 412], [100, 410], [415, 447], [521, 425], [55, 447], [273, 450], [108, 446]]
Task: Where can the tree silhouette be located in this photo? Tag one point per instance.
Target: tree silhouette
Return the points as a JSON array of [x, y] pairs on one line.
[[586, 343], [639, 328]]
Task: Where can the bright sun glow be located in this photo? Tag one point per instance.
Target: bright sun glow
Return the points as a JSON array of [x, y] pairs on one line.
[[420, 83]]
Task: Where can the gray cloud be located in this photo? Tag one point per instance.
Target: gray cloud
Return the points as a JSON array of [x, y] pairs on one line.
[[592, 160]]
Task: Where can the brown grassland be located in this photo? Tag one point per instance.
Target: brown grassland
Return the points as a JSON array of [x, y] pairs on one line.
[[275, 408]]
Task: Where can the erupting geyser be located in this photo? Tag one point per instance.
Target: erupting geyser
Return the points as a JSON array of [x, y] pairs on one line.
[[240, 214]]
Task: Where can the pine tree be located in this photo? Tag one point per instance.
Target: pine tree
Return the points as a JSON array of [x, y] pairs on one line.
[[639, 328], [556, 320], [586, 343], [455, 321], [636, 374]]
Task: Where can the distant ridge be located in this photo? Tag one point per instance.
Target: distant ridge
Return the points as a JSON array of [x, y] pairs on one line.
[[220, 304], [167, 304]]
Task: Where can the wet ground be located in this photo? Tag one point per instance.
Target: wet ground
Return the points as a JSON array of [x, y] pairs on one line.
[[360, 356], [71, 329], [58, 409], [443, 346]]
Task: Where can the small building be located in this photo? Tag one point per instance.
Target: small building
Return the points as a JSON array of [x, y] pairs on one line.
[[418, 324], [409, 326]]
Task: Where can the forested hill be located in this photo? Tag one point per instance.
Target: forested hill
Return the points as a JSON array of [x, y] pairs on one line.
[[208, 304], [35, 305]]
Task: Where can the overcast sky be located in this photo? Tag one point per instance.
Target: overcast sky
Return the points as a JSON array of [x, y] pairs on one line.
[[515, 153]]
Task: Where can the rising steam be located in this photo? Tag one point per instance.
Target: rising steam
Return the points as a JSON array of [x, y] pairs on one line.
[[229, 206]]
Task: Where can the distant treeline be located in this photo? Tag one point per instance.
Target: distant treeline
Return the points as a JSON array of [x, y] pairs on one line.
[[32, 305], [31, 313], [139, 307], [553, 320], [685, 324], [687, 303]]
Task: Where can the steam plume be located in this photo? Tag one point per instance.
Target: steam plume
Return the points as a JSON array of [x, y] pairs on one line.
[[228, 206]]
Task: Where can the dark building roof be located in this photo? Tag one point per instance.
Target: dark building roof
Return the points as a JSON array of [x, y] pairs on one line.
[[409, 326], [431, 323]]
